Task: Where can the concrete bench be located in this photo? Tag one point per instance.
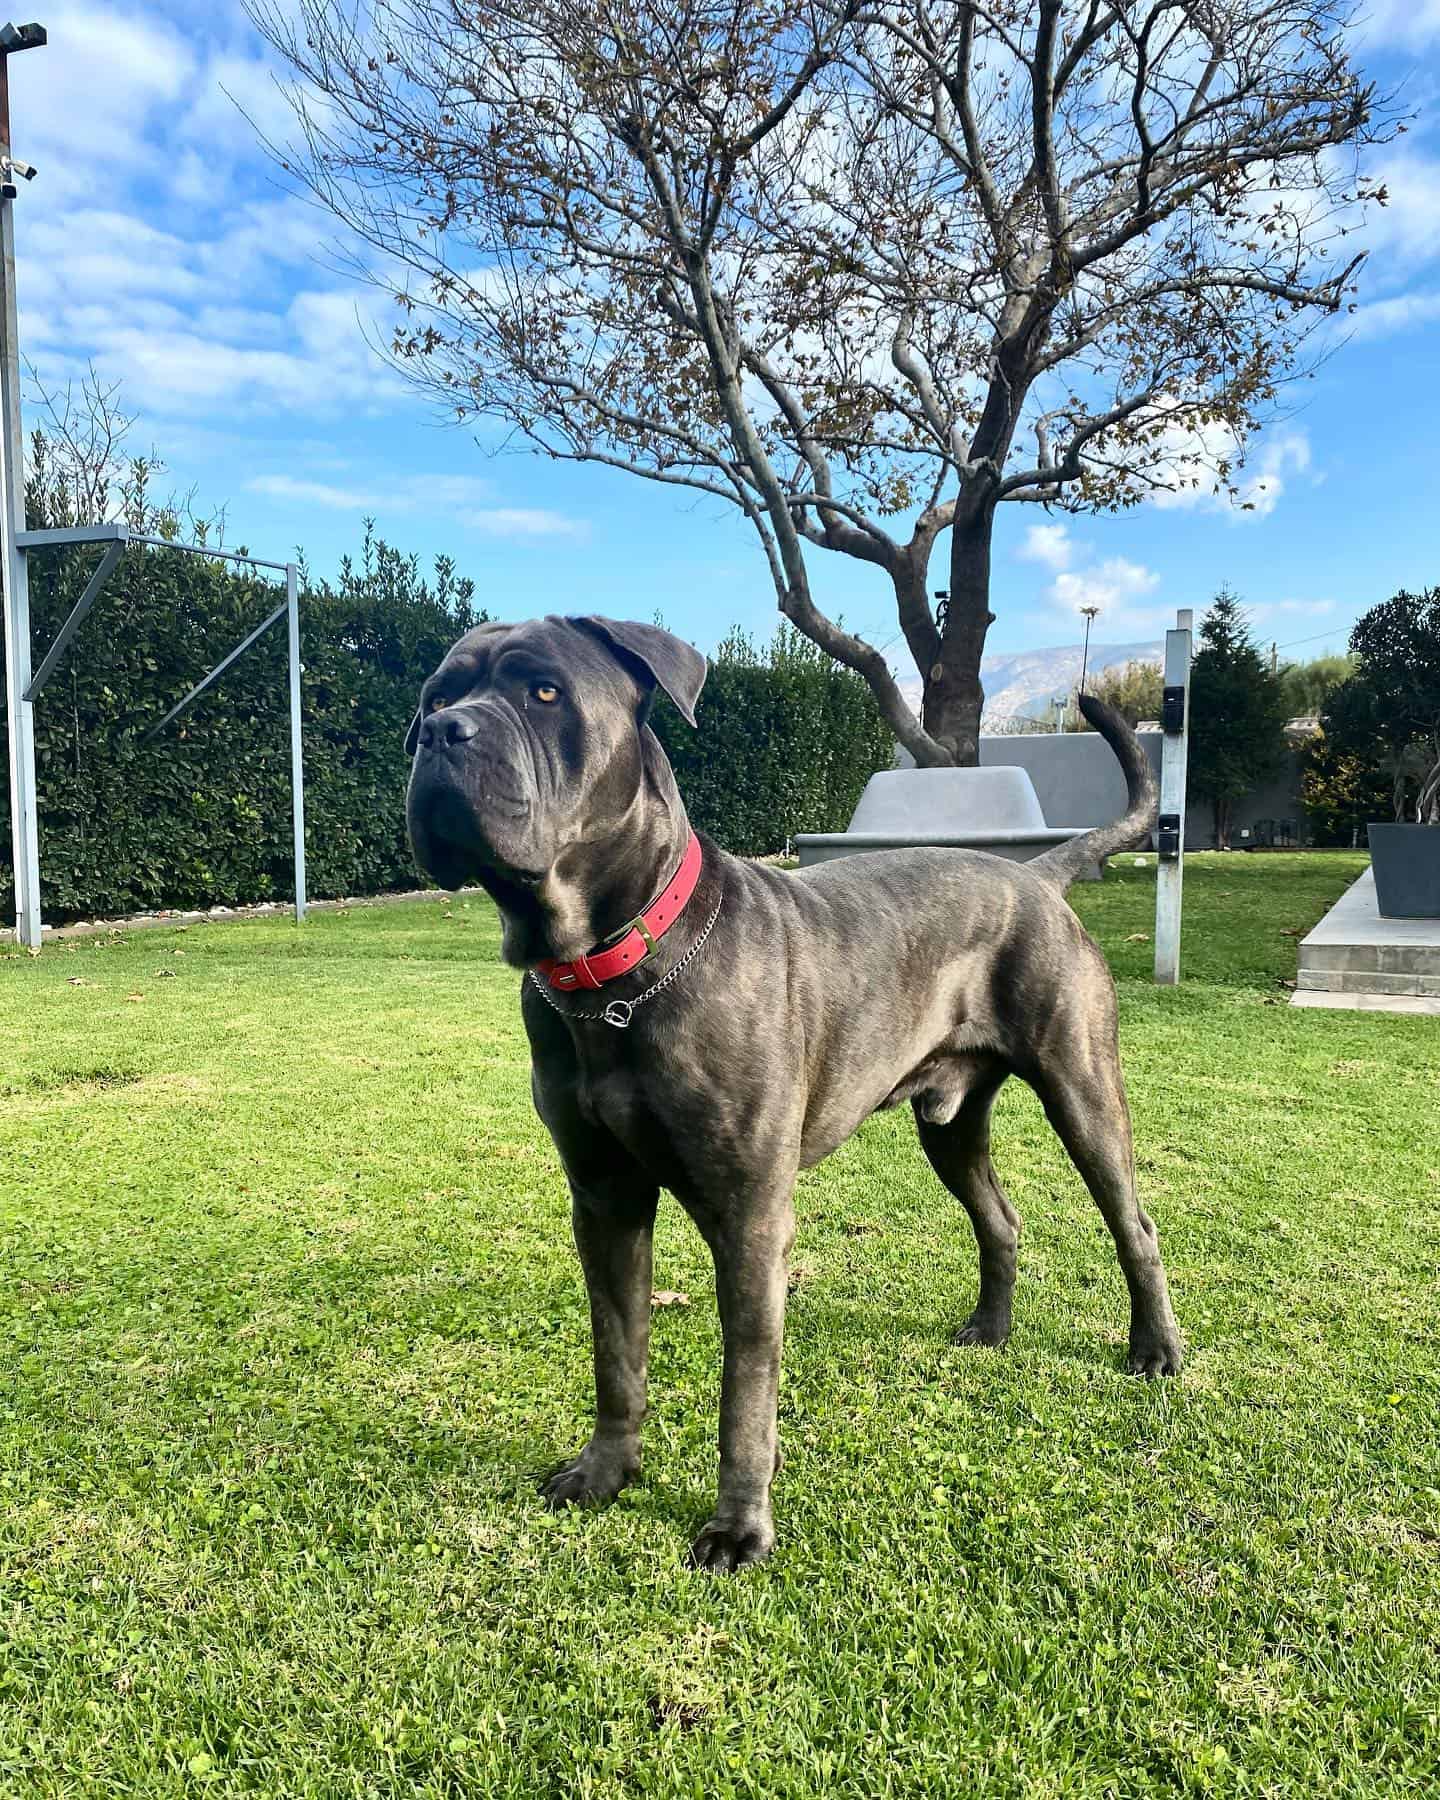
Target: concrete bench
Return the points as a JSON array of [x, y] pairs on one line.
[[993, 809]]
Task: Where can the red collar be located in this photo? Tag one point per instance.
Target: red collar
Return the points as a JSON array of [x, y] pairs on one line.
[[640, 936]]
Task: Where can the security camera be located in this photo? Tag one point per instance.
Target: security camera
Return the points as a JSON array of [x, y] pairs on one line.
[[21, 37], [10, 167]]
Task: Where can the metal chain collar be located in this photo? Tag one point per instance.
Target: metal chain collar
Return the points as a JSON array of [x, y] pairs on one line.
[[618, 1012]]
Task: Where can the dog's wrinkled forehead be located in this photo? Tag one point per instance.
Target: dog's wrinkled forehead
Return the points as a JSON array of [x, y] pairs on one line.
[[552, 647]]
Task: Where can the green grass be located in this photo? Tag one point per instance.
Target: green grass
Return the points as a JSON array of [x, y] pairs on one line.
[[290, 1312]]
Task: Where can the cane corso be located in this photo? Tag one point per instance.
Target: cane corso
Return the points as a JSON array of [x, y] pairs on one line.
[[711, 1026]]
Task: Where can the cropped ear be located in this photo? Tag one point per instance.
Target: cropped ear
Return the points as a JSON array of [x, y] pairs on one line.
[[663, 659], [412, 736]]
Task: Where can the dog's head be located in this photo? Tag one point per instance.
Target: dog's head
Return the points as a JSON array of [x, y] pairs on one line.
[[529, 741]]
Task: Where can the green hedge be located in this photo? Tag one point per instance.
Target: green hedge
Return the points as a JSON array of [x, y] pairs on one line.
[[201, 815], [787, 739]]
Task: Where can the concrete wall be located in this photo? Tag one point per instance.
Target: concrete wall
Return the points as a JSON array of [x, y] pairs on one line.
[[1079, 783]]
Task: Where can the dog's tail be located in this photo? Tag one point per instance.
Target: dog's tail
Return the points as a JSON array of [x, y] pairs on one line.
[[1067, 862]]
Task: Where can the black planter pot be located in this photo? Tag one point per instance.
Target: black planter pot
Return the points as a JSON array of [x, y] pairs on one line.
[[1406, 861]]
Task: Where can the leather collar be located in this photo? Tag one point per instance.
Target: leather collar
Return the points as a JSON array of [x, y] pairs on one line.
[[638, 938]]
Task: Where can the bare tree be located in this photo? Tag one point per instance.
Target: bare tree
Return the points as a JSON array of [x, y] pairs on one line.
[[836, 263], [79, 471]]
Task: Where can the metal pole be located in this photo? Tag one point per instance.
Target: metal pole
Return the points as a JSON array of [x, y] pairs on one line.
[[1089, 612], [1170, 833], [297, 761], [20, 714]]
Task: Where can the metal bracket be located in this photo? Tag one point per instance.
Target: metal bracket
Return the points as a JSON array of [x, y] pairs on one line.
[[114, 550], [215, 674]]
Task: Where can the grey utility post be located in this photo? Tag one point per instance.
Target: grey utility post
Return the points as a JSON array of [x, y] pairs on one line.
[[20, 713], [1170, 830], [297, 762]]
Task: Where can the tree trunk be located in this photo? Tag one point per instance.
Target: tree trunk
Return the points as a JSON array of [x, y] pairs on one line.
[[910, 573], [953, 693]]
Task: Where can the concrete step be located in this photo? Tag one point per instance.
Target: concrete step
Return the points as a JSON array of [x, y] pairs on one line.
[[1354, 951]]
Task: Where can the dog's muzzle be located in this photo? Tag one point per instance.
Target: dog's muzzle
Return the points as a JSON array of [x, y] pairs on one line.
[[468, 803]]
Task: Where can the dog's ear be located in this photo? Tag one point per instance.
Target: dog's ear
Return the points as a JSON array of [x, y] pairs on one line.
[[412, 736], [656, 657]]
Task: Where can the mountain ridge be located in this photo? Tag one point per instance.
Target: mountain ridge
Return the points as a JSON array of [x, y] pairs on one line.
[[1024, 682]]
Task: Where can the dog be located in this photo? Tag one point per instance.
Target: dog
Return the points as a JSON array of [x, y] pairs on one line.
[[712, 1026]]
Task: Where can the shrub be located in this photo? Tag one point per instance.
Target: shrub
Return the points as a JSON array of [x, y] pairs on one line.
[[787, 738], [1381, 725]]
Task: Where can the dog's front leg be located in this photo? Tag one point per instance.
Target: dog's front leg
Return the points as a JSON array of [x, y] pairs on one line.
[[750, 1248], [613, 1236]]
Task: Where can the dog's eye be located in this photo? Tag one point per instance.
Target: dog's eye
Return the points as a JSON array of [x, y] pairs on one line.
[[436, 702], [546, 691]]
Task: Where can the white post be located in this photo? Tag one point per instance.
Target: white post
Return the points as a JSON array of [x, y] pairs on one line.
[[297, 760], [24, 822], [1170, 835]]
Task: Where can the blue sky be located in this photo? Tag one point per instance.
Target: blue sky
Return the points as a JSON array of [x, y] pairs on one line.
[[157, 243]]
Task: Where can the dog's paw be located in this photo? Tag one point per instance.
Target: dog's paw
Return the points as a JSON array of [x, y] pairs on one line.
[[584, 1482], [1155, 1353], [723, 1547], [984, 1329]]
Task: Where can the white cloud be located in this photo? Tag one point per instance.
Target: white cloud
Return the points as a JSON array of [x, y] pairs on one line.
[[1410, 24], [1406, 230], [1289, 610], [458, 495], [1111, 585], [127, 114], [410, 493], [1048, 544], [1124, 591], [239, 97], [1383, 318], [523, 522], [81, 105], [1280, 453], [1188, 459]]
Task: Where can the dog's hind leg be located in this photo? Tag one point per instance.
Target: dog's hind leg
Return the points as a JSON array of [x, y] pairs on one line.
[[1084, 1099], [959, 1153]]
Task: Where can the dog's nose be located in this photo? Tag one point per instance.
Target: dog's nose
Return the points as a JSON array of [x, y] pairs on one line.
[[450, 725]]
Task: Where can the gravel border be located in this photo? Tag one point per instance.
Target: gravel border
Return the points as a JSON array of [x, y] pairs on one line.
[[263, 909]]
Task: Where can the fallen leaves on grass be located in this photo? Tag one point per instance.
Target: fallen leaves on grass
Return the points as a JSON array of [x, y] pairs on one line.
[[1138, 937], [668, 1297]]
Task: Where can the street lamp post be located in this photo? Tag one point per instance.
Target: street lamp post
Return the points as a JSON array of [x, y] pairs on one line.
[[1089, 613]]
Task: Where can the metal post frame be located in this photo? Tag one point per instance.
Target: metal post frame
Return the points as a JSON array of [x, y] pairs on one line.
[[297, 759], [1170, 838], [25, 691], [20, 717]]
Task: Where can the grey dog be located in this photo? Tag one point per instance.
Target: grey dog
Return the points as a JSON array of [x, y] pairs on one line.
[[776, 1014]]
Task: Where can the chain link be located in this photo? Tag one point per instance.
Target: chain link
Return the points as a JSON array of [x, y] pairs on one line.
[[618, 1012]]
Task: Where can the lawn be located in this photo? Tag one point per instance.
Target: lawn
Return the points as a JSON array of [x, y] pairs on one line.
[[291, 1315]]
